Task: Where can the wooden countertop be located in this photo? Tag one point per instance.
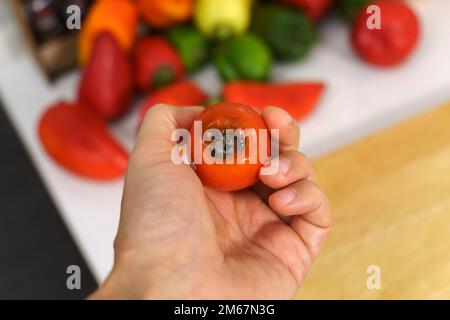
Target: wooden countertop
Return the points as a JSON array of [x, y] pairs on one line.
[[390, 195]]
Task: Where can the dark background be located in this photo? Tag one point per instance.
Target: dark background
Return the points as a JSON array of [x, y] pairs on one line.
[[35, 246]]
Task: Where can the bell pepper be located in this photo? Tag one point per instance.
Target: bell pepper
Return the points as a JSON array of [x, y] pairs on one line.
[[156, 63], [165, 13], [288, 33], [180, 94], [78, 139], [314, 9], [222, 18], [297, 98], [349, 9], [106, 84], [244, 57], [116, 16], [190, 45]]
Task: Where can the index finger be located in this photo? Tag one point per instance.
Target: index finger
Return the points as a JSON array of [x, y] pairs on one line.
[[277, 118]]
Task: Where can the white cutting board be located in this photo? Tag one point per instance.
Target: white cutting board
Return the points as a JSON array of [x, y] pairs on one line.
[[359, 99]]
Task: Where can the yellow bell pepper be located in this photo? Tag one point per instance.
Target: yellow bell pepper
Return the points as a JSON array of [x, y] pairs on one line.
[[222, 18]]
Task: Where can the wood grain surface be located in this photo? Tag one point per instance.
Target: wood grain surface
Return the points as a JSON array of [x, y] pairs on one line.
[[390, 195]]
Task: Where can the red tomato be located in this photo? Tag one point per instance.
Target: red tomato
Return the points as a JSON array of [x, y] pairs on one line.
[[396, 39], [243, 171], [156, 63]]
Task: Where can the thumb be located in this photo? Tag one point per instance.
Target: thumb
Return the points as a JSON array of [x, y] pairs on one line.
[[151, 171], [152, 198], [159, 123]]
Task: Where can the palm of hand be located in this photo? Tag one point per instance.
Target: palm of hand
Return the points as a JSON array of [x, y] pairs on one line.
[[257, 246]]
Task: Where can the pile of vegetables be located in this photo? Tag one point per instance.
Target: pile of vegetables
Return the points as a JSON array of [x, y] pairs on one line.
[[149, 47]]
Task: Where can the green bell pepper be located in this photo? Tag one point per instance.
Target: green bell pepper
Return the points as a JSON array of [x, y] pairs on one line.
[[288, 33], [349, 9], [190, 45], [244, 57]]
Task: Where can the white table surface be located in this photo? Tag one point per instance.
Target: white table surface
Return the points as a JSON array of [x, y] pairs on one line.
[[359, 99]]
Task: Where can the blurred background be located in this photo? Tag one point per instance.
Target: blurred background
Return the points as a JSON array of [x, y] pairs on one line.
[[372, 103]]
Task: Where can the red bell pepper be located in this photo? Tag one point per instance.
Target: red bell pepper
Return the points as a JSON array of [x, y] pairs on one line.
[[107, 84], [182, 93], [156, 63], [78, 139], [314, 9], [298, 98]]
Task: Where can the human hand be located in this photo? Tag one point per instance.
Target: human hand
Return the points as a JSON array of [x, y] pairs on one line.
[[180, 240]]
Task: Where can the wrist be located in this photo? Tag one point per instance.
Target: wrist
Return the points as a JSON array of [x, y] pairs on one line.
[[120, 286], [110, 289], [134, 282]]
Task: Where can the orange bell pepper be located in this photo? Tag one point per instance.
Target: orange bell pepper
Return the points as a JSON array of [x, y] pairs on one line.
[[164, 13], [120, 17]]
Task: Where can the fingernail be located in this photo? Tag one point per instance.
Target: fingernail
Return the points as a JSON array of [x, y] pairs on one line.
[[286, 196], [285, 165], [283, 114]]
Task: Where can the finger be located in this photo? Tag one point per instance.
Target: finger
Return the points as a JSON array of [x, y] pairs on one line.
[[312, 236], [160, 122], [151, 167], [303, 198], [277, 118], [292, 166], [152, 175]]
